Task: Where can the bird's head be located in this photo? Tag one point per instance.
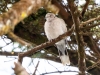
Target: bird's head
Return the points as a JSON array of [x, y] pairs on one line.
[[50, 16]]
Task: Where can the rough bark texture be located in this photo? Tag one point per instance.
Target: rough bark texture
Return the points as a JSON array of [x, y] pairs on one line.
[[79, 37]]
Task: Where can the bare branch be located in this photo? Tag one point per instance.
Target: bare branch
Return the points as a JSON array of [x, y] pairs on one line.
[[18, 39], [91, 26], [85, 7], [43, 45], [90, 20], [59, 72], [19, 69], [17, 13], [94, 65], [36, 68], [66, 16], [79, 38]]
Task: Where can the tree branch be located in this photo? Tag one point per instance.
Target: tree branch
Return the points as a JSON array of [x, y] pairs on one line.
[[18, 39], [58, 72], [9, 53], [19, 69], [36, 68], [17, 13], [43, 45], [79, 38], [85, 7], [64, 14], [90, 20], [91, 26]]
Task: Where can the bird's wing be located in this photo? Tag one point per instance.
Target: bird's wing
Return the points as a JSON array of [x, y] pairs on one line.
[[61, 24], [54, 28]]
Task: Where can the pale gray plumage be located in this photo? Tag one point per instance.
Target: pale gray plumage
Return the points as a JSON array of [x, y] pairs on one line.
[[54, 27]]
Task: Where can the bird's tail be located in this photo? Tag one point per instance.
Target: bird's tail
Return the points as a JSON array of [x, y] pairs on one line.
[[63, 54], [65, 59]]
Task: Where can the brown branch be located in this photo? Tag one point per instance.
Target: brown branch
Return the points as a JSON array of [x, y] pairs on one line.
[[48, 73], [90, 20], [43, 45], [9, 53], [64, 14], [19, 69], [91, 44], [17, 13], [72, 53], [79, 38], [85, 7], [36, 68], [18, 39], [94, 47], [53, 58], [91, 26], [94, 65]]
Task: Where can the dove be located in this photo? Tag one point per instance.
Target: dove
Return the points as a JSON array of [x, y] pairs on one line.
[[53, 28]]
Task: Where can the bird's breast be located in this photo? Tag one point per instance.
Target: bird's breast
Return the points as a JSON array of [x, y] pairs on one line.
[[52, 30]]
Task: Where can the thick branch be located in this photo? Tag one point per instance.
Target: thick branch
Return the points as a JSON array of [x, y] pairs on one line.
[[43, 45], [19, 69], [79, 38], [9, 53], [18, 12]]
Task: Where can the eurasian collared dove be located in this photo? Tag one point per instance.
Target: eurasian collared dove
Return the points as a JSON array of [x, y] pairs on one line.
[[54, 27]]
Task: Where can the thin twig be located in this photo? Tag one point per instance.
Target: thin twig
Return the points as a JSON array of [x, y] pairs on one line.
[[91, 26], [36, 68], [85, 7], [58, 72], [88, 21], [94, 65]]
